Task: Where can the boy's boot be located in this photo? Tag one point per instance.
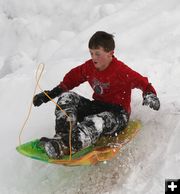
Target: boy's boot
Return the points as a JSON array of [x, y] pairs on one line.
[[43, 140], [54, 149]]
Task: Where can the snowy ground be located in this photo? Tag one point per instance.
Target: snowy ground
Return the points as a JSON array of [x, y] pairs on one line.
[[56, 32]]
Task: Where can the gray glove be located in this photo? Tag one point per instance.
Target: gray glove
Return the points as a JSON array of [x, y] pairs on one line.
[[151, 100]]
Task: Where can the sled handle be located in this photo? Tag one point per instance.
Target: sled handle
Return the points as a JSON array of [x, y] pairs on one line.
[[40, 68]]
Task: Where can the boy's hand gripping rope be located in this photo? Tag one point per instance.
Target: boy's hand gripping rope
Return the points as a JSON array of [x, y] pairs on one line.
[[38, 77]]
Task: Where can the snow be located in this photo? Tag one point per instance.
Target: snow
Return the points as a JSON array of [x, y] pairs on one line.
[[56, 33]]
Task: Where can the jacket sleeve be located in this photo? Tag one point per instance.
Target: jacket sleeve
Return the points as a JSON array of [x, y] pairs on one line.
[[140, 82], [74, 77]]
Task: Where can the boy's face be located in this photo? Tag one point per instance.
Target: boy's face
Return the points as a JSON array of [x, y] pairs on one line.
[[101, 58]]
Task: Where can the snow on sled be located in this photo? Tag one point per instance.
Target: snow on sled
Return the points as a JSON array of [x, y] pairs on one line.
[[105, 149]]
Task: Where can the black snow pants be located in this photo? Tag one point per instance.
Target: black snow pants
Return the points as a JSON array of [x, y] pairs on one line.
[[90, 120]]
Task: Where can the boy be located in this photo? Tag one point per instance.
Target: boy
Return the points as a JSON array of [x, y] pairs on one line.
[[108, 114]]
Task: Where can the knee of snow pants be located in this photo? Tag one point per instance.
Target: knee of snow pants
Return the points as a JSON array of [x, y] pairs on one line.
[[68, 101], [115, 123]]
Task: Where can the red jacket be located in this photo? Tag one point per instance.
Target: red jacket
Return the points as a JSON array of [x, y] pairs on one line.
[[112, 85]]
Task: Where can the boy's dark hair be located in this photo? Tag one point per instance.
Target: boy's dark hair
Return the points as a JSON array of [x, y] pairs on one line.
[[102, 39]]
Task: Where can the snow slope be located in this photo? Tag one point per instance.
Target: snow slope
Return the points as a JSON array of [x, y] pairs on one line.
[[56, 32]]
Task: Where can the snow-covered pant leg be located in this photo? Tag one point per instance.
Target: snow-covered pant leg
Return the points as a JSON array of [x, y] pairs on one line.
[[69, 102], [92, 127]]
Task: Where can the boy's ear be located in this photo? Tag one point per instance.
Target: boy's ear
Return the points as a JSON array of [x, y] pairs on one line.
[[111, 53]]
